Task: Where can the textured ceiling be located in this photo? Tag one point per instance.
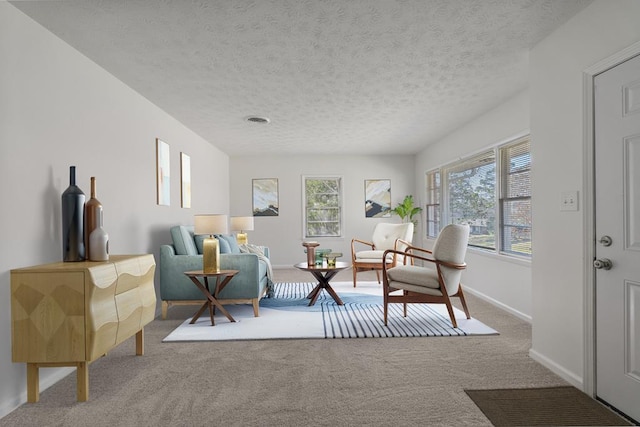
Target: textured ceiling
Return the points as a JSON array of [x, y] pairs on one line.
[[348, 77]]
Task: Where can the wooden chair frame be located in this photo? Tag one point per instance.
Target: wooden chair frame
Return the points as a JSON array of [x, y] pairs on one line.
[[358, 266], [409, 297]]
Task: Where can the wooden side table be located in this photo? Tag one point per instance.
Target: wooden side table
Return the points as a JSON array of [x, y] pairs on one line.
[[323, 275], [222, 278]]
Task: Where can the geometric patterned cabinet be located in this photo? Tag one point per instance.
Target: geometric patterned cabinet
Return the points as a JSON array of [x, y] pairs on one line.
[[72, 313]]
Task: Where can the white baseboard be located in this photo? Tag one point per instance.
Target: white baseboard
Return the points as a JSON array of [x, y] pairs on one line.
[[55, 376], [563, 373], [568, 376], [499, 304]]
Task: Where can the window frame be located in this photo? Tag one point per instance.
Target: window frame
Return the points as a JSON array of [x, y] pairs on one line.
[[340, 206], [503, 195], [469, 163], [433, 199], [499, 153]]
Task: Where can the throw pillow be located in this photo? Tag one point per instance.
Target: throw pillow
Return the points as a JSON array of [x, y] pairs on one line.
[[199, 239], [233, 243], [223, 244], [183, 243]]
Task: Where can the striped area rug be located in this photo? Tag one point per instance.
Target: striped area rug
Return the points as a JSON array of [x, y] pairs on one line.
[[287, 315]]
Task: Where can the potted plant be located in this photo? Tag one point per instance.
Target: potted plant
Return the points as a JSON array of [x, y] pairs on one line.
[[406, 210]]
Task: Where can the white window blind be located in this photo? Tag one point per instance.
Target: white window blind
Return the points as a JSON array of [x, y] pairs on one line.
[[515, 198]]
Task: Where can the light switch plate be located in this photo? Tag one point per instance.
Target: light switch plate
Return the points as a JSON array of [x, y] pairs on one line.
[[569, 201]]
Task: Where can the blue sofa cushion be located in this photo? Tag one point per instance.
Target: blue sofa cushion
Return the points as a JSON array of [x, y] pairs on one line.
[[222, 243], [199, 240], [183, 241], [231, 241]]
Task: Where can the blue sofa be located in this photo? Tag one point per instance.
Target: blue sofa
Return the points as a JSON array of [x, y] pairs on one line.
[[248, 286]]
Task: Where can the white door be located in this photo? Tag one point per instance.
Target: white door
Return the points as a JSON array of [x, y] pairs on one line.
[[617, 199]]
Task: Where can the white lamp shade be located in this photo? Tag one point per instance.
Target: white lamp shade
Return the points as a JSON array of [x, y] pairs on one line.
[[242, 223], [210, 224]]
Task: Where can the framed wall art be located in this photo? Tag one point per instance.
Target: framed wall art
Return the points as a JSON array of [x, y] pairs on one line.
[[265, 197], [377, 198], [185, 179], [163, 173]]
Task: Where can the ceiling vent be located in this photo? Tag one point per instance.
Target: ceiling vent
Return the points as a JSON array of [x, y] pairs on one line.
[[256, 119]]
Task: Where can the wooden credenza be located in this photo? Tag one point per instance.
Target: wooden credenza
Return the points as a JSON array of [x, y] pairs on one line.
[[71, 313]]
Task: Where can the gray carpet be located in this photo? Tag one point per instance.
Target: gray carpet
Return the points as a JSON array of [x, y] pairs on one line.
[[382, 382]]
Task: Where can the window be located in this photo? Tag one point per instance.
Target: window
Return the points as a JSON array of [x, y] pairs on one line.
[[515, 198], [432, 210], [472, 197], [491, 192], [323, 206]]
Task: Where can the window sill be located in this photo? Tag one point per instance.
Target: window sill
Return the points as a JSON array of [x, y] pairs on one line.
[[513, 259]]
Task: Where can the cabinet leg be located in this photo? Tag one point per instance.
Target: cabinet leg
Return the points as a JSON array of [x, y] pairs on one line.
[[83, 381], [33, 383], [140, 342]]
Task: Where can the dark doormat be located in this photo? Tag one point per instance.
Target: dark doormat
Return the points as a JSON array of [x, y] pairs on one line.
[[552, 406]]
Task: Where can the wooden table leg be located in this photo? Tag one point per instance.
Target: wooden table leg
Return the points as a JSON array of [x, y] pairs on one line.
[[199, 313], [333, 293], [33, 383], [315, 293], [323, 283], [210, 300], [222, 309]]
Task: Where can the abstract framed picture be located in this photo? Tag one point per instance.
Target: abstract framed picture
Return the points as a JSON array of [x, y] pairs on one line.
[[163, 173], [377, 198], [265, 197], [185, 180]]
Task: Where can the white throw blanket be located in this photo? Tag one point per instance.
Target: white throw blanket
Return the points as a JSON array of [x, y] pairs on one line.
[[258, 250]]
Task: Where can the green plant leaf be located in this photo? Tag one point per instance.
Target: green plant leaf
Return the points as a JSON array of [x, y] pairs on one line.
[[406, 210]]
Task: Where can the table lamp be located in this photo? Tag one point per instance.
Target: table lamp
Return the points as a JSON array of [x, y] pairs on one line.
[[242, 224], [210, 224]]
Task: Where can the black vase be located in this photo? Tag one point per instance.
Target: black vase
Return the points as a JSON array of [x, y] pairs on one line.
[[73, 248]]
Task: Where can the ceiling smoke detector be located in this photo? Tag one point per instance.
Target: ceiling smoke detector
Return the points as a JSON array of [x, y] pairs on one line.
[[256, 119]]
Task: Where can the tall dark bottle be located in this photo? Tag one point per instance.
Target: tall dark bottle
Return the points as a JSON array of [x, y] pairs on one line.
[[73, 247]]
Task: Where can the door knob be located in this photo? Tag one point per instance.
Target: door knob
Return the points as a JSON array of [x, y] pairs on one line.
[[606, 241], [603, 263]]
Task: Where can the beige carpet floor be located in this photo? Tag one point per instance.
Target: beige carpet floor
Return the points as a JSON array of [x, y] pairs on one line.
[[347, 382]]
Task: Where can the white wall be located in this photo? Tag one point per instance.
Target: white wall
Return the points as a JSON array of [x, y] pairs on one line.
[[283, 234], [504, 281], [59, 109], [557, 127]]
